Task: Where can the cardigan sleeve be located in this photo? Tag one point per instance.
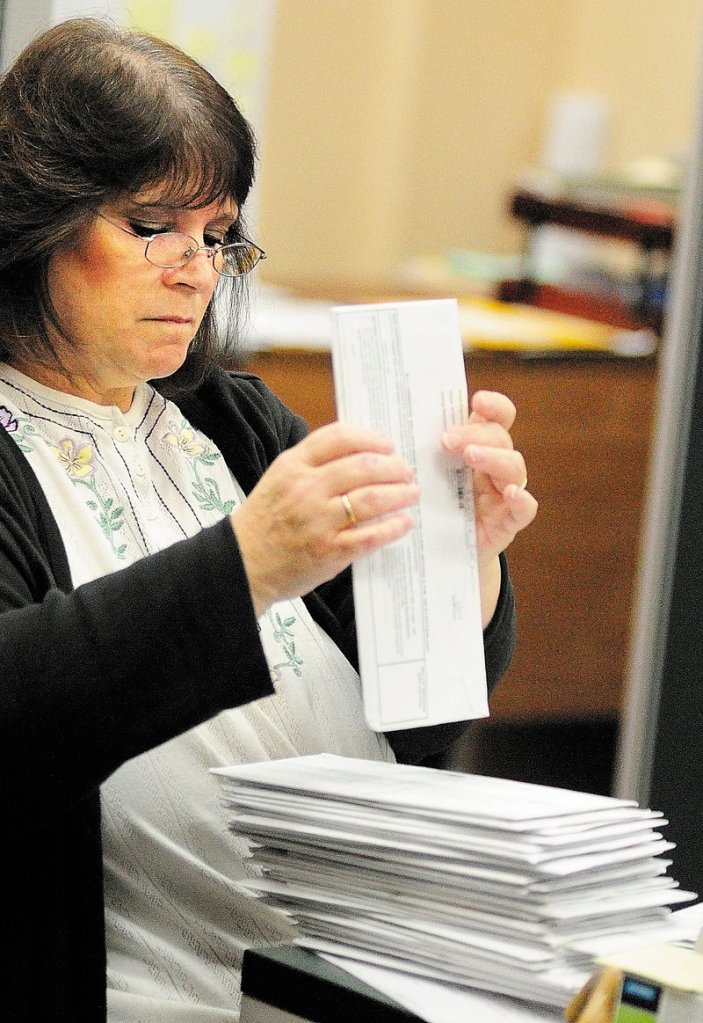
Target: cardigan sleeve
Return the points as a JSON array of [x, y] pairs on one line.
[[93, 677]]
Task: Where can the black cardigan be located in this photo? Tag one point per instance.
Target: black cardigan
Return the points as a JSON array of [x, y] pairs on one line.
[[94, 676]]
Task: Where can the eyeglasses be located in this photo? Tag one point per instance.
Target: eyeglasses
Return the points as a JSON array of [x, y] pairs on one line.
[[171, 249]]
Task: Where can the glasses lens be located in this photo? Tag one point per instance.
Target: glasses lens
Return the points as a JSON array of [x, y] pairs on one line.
[[236, 260], [170, 249]]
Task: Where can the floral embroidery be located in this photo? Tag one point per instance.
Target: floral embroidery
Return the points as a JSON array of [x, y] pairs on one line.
[[77, 463], [20, 428], [7, 420], [283, 634], [80, 467], [183, 438], [206, 490]]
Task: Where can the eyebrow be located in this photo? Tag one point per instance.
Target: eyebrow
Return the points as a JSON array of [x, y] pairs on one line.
[[164, 209]]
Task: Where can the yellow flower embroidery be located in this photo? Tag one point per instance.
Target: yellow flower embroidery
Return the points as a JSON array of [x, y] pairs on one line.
[[78, 463], [183, 439]]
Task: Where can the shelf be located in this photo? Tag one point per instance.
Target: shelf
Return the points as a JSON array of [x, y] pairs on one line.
[[647, 223]]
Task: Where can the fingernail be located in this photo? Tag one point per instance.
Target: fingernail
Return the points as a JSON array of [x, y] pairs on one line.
[[452, 435]]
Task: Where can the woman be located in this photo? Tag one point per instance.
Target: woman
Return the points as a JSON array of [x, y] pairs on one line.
[[160, 521]]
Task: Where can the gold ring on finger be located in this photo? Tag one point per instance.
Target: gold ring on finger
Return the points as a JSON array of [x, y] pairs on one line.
[[348, 510]]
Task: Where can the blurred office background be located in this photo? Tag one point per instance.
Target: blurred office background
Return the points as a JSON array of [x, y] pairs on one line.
[[505, 152]]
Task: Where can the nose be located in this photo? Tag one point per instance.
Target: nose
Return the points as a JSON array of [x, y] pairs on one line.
[[198, 272]]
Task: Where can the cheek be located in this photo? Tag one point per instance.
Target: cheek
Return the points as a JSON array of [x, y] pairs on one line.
[[105, 260], [81, 278], [106, 274]]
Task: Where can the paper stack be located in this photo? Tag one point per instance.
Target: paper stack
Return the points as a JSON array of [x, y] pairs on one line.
[[500, 885]]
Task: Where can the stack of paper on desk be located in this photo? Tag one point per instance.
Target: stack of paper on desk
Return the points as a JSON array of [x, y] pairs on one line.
[[501, 885]]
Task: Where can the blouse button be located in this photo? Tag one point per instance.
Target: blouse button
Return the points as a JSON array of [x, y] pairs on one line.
[[121, 433]]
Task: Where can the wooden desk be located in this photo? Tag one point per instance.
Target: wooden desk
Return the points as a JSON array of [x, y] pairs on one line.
[[584, 425]]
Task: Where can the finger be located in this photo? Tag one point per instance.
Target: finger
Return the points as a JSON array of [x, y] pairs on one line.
[[352, 472], [502, 467], [338, 439], [367, 503], [493, 406], [523, 505], [501, 517], [367, 537], [489, 434]]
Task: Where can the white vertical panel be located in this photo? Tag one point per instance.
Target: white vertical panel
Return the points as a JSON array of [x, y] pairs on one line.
[[110, 9], [21, 22], [677, 377], [24, 19]]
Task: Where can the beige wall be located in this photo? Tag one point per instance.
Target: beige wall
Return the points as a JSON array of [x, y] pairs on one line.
[[643, 55], [483, 79], [397, 127], [340, 120]]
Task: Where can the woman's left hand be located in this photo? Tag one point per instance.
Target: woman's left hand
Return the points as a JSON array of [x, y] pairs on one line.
[[502, 504]]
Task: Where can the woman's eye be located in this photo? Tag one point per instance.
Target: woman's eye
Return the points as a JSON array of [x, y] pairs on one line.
[[146, 230], [213, 240]]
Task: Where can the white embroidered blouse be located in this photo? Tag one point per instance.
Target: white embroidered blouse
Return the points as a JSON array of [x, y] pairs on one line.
[[121, 486]]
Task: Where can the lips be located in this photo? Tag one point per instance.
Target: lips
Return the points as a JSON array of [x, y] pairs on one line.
[[171, 319]]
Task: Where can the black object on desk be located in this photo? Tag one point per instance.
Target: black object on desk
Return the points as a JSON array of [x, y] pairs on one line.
[[647, 223], [615, 217], [287, 984]]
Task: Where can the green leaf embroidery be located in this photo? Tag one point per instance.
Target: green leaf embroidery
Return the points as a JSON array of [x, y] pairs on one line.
[[283, 635], [206, 491]]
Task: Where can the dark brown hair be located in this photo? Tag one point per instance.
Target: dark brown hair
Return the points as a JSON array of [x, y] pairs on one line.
[[89, 113]]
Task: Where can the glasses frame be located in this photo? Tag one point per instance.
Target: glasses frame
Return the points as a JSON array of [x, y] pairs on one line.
[[211, 250]]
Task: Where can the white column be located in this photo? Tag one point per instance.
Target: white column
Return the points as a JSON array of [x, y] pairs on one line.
[[23, 20]]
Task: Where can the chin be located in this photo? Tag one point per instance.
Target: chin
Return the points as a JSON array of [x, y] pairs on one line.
[[169, 362]]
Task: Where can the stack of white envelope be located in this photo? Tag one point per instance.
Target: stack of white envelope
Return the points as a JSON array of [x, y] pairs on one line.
[[501, 885]]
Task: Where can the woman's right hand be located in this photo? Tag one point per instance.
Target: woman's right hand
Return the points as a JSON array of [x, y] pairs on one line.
[[340, 493]]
